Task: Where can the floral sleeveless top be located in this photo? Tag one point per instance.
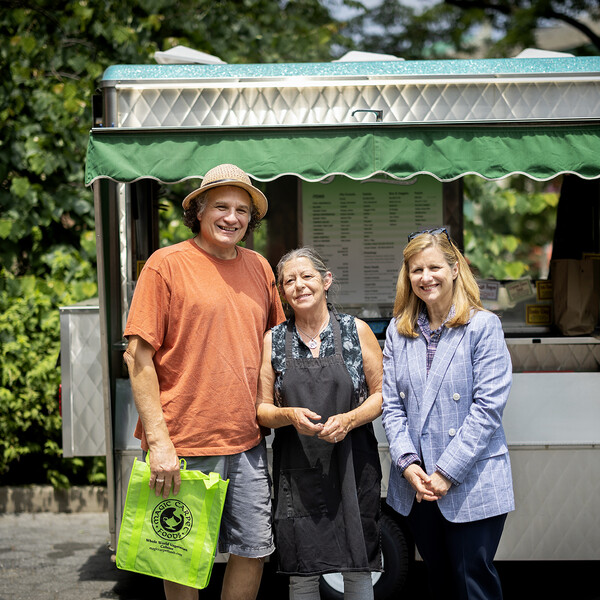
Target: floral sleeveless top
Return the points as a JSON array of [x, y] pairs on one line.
[[351, 352]]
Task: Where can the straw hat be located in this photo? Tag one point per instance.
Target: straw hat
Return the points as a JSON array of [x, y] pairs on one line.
[[230, 175]]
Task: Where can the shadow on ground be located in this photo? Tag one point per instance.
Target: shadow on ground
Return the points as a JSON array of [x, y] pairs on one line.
[[535, 579]]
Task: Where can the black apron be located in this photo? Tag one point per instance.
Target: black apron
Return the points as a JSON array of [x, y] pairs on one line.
[[327, 496]]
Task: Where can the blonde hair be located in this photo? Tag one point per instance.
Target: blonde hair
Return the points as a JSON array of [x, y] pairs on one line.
[[465, 291]]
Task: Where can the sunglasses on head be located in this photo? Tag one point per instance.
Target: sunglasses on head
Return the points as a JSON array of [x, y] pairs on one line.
[[414, 234]]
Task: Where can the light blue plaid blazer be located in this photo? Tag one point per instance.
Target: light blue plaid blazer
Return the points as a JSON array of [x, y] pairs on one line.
[[452, 417]]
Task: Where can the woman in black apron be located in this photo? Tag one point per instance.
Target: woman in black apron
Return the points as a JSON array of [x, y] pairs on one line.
[[320, 388]]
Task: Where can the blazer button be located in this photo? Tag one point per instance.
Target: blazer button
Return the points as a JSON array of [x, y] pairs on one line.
[[402, 395], [456, 396], [452, 432]]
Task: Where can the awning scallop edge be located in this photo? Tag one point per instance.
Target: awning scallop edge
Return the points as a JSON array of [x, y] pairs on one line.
[[313, 154]]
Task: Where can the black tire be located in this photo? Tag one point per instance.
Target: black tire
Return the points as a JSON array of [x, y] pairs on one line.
[[394, 548], [387, 586]]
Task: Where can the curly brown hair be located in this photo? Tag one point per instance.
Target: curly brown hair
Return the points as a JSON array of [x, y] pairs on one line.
[[198, 204]]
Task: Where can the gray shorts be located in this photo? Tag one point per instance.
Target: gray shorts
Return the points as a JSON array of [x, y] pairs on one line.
[[246, 523]]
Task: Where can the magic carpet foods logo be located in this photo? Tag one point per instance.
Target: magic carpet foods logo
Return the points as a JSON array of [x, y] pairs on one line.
[[172, 520]]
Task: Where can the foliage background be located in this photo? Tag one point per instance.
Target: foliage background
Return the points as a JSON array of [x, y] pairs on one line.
[[53, 55], [508, 226], [471, 28]]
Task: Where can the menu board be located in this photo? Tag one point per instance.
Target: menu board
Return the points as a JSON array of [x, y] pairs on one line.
[[361, 229]]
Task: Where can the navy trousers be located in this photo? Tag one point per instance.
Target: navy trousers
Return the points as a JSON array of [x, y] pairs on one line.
[[459, 556]]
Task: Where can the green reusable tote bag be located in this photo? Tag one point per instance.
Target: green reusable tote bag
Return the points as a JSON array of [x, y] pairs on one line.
[[174, 539]]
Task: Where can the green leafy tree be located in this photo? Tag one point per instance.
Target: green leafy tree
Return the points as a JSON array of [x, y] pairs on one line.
[[52, 59], [508, 226], [30, 449], [52, 56], [447, 28], [518, 20], [406, 31]]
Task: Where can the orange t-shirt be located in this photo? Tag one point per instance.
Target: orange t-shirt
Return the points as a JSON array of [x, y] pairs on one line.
[[206, 317]]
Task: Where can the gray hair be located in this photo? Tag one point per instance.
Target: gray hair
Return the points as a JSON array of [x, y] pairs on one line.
[[305, 252]]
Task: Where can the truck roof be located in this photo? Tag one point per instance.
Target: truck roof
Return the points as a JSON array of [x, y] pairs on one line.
[[526, 67], [444, 118]]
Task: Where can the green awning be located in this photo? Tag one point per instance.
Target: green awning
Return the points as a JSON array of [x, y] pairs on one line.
[[444, 152]]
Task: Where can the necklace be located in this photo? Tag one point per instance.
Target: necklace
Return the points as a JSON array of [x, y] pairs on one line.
[[312, 344]]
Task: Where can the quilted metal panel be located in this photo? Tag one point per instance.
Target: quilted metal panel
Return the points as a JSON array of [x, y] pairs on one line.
[[462, 101], [81, 374], [556, 496], [555, 357]]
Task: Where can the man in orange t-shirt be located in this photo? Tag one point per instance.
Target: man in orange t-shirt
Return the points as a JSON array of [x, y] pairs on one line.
[[195, 330]]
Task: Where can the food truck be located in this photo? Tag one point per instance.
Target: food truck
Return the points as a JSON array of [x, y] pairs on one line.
[[352, 157]]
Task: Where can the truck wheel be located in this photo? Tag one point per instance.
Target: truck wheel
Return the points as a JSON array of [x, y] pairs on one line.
[[394, 556]]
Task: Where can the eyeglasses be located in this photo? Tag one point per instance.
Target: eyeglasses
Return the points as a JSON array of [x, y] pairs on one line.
[[414, 234]]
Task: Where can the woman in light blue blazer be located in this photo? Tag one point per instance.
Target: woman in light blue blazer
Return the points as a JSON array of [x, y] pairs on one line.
[[447, 376]]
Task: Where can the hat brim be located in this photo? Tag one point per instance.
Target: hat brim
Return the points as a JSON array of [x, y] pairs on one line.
[[258, 198]]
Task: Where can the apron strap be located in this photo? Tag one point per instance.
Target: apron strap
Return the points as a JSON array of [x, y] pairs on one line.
[[337, 334], [288, 338], [334, 319]]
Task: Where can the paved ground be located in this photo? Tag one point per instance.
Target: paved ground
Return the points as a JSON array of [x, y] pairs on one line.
[[56, 555], [65, 556]]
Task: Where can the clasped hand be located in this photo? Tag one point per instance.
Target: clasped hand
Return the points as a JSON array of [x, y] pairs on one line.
[[427, 487], [305, 421]]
